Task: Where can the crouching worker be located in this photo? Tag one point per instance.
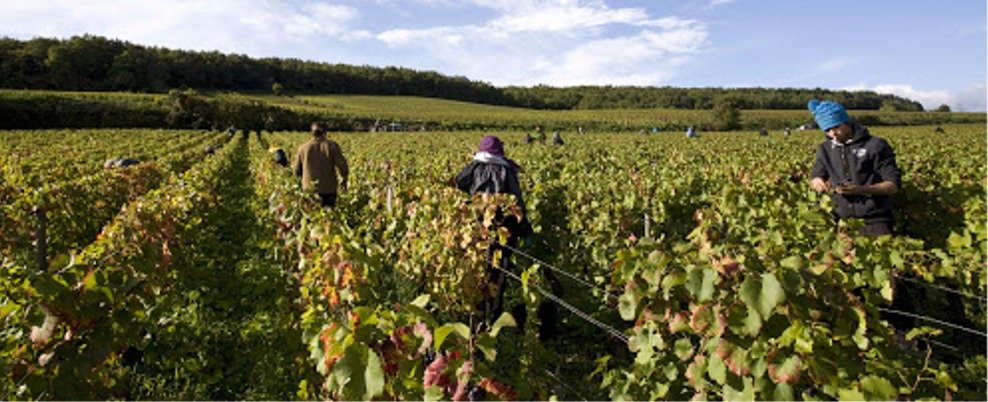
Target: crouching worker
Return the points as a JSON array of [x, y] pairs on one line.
[[120, 163], [279, 156]]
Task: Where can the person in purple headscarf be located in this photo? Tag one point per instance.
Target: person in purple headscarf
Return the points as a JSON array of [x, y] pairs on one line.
[[491, 172]]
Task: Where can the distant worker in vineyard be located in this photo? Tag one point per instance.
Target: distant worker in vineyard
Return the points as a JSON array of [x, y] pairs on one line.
[[279, 156], [121, 163], [493, 173], [557, 139], [859, 170], [691, 132], [539, 135], [317, 162]]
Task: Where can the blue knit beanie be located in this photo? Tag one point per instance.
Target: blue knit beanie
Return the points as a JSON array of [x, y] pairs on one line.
[[828, 114]]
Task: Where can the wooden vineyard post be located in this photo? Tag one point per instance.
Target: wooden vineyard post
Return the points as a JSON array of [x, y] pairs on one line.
[[391, 193], [648, 227]]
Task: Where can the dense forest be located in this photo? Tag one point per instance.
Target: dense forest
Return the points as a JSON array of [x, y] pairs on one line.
[[93, 63]]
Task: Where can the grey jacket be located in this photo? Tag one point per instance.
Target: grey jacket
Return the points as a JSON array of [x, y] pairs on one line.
[[864, 160]]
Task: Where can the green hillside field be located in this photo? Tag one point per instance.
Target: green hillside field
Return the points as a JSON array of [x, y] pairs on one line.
[[56, 109]]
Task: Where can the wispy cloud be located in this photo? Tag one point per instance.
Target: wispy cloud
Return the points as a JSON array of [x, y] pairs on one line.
[[226, 25], [972, 99], [562, 42], [715, 3], [834, 64]]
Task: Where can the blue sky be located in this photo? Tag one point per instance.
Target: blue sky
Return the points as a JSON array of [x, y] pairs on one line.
[[930, 51]]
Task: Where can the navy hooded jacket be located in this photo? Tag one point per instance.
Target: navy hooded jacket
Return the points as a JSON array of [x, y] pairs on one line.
[[864, 160]]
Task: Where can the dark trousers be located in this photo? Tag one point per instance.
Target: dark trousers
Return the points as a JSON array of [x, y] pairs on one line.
[[877, 228], [494, 305], [328, 200]]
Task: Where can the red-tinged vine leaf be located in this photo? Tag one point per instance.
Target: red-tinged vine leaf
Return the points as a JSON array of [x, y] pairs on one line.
[[678, 323], [497, 389], [700, 318], [737, 362], [726, 266], [334, 297], [645, 316], [89, 281], [463, 381], [695, 371], [422, 331], [435, 373], [719, 321], [787, 371]]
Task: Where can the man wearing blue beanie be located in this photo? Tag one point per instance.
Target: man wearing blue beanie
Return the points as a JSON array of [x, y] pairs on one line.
[[858, 169]]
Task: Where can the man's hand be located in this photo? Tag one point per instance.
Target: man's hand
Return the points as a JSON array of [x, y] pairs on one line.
[[819, 185], [852, 189], [882, 188]]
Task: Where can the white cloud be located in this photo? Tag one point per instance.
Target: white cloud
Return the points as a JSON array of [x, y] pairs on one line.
[[561, 42], [715, 3], [256, 27], [508, 42], [620, 61], [972, 99], [833, 65]]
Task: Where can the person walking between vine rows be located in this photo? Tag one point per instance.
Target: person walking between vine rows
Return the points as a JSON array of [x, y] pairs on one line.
[[493, 173], [318, 162], [856, 168]]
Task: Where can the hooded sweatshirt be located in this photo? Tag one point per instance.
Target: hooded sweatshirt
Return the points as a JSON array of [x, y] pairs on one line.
[[864, 160]]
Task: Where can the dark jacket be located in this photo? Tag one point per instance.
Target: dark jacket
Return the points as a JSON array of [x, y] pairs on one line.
[[499, 176], [490, 177], [864, 160]]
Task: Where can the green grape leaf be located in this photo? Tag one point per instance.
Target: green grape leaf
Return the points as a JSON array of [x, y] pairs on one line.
[[850, 394], [700, 284], [875, 387], [373, 376], [421, 301], [432, 393], [717, 370], [762, 294], [505, 320], [627, 306]]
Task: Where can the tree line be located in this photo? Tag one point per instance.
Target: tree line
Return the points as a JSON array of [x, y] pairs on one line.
[[94, 63]]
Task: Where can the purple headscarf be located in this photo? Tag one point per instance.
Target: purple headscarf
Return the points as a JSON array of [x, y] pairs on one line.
[[491, 145], [494, 146]]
